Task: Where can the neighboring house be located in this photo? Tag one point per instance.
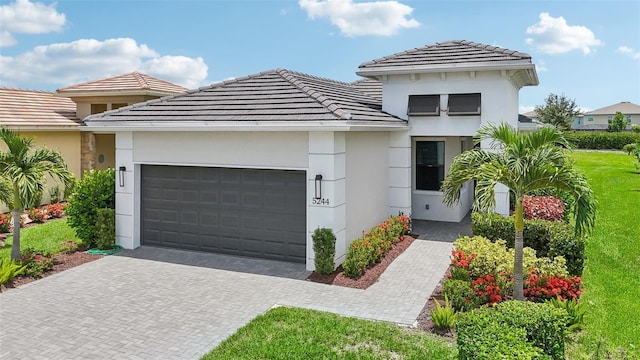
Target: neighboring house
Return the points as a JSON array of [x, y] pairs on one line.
[[599, 119], [94, 97], [50, 120], [54, 119], [252, 166]]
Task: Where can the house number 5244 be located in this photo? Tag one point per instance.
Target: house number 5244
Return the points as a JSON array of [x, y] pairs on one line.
[[321, 201]]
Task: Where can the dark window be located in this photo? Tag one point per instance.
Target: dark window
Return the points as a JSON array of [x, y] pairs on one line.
[[424, 105], [429, 165], [118, 106], [464, 104], [98, 108]]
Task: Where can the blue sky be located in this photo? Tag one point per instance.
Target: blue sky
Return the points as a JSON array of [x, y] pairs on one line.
[[587, 50]]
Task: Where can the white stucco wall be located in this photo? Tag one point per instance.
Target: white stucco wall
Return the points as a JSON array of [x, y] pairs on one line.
[[286, 150], [499, 103], [367, 170]]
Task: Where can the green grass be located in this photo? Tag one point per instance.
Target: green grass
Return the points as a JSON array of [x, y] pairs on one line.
[[44, 237], [612, 272], [291, 333]]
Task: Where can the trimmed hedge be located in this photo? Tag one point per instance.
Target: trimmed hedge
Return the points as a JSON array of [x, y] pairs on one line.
[[324, 248], [512, 330], [602, 139], [547, 238], [374, 245]]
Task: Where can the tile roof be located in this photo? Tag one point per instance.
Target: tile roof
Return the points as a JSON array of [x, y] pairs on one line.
[[276, 95], [624, 107], [30, 109], [131, 82], [370, 87], [448, 53]]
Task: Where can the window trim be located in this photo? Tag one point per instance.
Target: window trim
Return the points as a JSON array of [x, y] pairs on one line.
[[424, 113], [458, 113], [442, 169]]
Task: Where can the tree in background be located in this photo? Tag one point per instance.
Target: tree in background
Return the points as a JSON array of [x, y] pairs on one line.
[[618, 123], [23, 170], [524, 162], [558, 111]]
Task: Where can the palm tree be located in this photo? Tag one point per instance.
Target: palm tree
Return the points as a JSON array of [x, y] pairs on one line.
[[23, 170], [524, 162]]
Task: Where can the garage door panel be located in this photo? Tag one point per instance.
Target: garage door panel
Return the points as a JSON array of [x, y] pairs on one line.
[[247, 212]]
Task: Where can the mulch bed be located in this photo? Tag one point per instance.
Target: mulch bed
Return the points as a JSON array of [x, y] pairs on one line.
[[62, 262], [370, 276], [424, 321]]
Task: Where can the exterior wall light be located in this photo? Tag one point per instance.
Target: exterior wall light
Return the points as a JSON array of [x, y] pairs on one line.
[[318, 182], [121, 172]]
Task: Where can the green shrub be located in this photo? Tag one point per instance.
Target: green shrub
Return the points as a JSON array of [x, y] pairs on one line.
[[106, 227], [374, 245], [96, 190], [460, 294], [547, 238], [635, 129], [54, 194], [324, 247], [9, 269], [602, 140], [36, 262], [481, 335], [494, 258], [512, 330], [545, 324], [443, 317], [574, 309]]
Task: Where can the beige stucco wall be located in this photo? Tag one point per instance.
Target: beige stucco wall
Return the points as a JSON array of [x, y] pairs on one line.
[[105, 147], [84, 103], [604, 119], [66, 142], [367, 175]]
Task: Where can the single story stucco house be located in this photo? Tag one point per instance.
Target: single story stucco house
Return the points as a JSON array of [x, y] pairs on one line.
[[251, 166]]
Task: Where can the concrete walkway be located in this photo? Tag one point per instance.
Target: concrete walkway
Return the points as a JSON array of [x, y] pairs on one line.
[[131, 307]]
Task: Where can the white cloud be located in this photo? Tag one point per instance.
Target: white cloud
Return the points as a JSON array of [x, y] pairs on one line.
[[26, 17], [89, 59], [553, 36], [541, 66], [380, 18], [635, 55]]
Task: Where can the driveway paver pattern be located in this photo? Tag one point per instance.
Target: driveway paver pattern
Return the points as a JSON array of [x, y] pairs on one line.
[[129, 307]]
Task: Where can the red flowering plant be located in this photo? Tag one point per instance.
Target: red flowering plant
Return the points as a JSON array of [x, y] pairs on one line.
[[36, 215], [492, 289], [55, 210], [5, 223], [545, 287], [548, 208], [36, 262]]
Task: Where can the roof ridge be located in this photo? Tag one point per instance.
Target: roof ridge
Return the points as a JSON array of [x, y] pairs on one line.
[[26, 90], [322, 99], [141, 80]]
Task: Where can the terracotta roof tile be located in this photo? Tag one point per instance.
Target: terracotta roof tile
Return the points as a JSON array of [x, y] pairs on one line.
[[132, 82], [30, 108]]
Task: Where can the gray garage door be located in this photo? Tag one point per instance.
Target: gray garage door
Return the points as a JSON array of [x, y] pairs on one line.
[[246, 212]]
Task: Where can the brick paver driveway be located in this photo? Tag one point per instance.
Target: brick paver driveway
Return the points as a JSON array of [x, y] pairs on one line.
[[124, 307]]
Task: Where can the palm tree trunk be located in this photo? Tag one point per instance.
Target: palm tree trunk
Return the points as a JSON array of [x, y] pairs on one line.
[[15, 247], [518, 283]]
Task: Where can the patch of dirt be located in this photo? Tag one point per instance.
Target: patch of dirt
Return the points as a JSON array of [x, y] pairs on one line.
[[62, 262], [424, 321], [370, 276]]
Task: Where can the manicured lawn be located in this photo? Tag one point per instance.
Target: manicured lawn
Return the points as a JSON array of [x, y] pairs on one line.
[[46, 237], [290, 333], [612, 273]]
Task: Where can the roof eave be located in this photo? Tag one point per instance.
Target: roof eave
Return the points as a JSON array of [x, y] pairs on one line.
[[438, 68], [117, 126], [97, 93]]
